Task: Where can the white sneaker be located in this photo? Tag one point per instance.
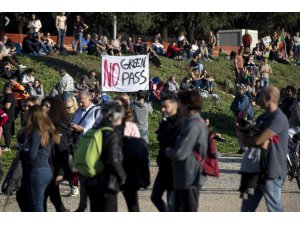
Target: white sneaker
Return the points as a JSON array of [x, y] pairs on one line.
[[74, 191], [22, 67]]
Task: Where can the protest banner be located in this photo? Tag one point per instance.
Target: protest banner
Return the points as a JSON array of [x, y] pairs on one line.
[[125, 73], [266, 40]]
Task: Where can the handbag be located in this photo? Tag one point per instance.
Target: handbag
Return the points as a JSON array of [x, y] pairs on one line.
[[13, 179]]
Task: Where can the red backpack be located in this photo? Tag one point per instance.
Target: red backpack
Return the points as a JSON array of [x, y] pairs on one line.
[[210, 164]]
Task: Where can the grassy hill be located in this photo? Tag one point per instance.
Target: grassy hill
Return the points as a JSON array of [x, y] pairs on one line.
[[220, 116]]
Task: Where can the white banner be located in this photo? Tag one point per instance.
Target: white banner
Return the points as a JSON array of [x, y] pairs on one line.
[[125, 73], [266, 40]]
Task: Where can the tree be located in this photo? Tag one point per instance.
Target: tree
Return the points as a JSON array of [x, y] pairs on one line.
[[21, 20]]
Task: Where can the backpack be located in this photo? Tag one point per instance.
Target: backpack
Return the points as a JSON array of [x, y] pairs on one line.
[[13, 179], [210, 164], [87, 156]]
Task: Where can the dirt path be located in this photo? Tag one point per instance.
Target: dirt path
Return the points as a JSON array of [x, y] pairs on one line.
[[218, 195]]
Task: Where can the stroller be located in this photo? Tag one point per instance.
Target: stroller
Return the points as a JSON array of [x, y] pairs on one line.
[[293, 160]]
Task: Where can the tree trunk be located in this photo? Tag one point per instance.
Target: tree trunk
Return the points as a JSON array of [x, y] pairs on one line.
[[192, 34], [100, 29], [164, 32], [20, 27]]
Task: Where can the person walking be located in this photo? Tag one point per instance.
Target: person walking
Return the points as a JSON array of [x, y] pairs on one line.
[[60, 161], [273, 140], [84, 119], [168, 130], [35, 155], [104, 187], [8, 106], [187, 173]]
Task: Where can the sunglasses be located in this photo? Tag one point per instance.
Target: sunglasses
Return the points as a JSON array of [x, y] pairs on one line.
[[47, 105], [69, 107]]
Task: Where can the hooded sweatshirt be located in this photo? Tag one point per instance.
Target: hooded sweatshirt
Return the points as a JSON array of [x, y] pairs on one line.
[[141, 112]]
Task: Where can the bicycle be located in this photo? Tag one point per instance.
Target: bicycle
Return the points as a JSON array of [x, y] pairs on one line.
[[293, 159]]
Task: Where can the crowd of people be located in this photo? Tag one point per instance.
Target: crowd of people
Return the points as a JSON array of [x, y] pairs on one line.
[[71, 109]]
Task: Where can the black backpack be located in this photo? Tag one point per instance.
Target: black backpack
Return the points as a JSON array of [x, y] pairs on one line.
[[13, 179]]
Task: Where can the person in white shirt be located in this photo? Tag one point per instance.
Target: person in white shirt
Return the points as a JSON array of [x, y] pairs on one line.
[[173, 86], [195, 49], [66, 82], [34, 25], [84, 119], [296, 42], [28, 77], [116, 45], [157, 47]]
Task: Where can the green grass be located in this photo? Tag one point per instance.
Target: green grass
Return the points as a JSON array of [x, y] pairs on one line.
[[220, 116]]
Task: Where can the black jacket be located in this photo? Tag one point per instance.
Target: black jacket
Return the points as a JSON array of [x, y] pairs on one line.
[[61, 162], [287, 105], [167, 133], [113, 175]]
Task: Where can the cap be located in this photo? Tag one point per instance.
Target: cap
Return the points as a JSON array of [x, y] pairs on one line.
[[241, 86], [66, 95]]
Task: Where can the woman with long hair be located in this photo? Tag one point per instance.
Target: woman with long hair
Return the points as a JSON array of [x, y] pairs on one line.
[[21, 195], [34, 25], [35, 154], [61, 163], [129, 129]]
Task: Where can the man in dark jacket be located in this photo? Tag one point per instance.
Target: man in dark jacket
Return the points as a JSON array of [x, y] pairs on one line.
[[167, 133], [187, 173]]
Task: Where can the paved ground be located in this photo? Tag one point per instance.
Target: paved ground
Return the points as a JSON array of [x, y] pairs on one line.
[[218, 194]]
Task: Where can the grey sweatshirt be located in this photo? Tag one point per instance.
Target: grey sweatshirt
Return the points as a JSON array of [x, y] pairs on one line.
[[141, 112], [186, 168]]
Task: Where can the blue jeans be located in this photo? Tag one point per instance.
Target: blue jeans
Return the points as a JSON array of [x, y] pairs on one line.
[[43, 48], [271, 191], [144, 134], [296, 52], [264, 82], [76, 37], [158, 51], [197, 83], [192, 53], [205, 85], [61, 37], [39, 179]]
